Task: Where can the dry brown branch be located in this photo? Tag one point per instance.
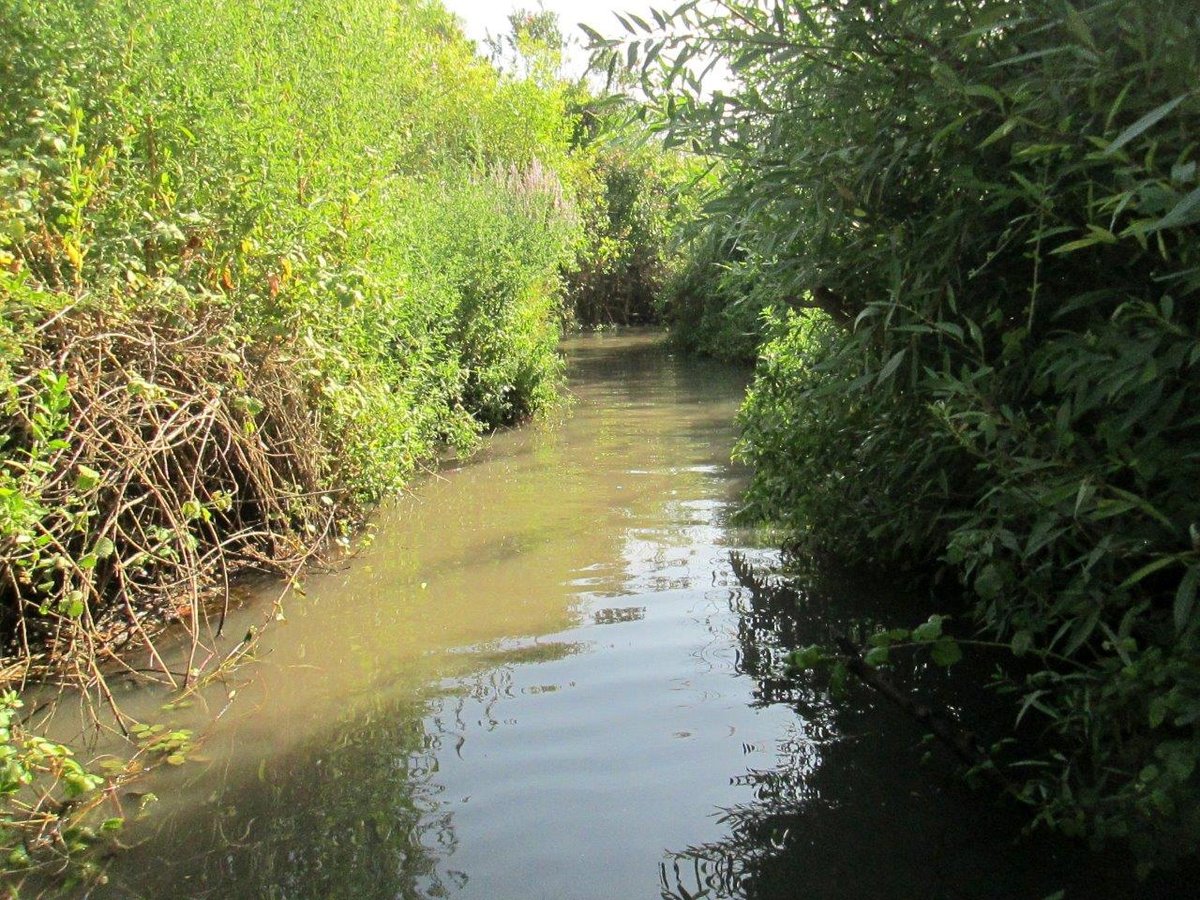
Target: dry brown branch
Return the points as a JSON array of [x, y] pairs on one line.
[[208, 462]]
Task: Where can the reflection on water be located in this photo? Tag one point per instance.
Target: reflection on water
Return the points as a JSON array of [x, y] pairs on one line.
[[545, 681]]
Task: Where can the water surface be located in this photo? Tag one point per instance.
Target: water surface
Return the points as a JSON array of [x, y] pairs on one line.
[[544, 681]]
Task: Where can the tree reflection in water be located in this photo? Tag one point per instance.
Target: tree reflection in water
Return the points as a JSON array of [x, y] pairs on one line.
[[847, 810], [356, 812], [342, 820]]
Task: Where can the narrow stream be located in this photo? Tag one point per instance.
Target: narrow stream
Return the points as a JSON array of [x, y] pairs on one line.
[[543, 681]]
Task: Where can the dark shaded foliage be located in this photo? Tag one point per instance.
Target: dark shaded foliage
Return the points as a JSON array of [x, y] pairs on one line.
[[977, 224]]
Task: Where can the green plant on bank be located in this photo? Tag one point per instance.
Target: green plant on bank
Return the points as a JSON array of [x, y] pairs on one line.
[[634, 203], [349, 262], [974, 229], [60, 819], [47, 796], [715, 300], [943, 649], [259, 264], [632, 195]]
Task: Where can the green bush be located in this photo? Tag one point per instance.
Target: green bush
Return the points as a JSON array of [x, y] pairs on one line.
[[995, 207], [715, 302], [638, 199], [361, 220]]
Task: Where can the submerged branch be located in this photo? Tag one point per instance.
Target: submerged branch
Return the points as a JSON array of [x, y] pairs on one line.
[[960, 741]]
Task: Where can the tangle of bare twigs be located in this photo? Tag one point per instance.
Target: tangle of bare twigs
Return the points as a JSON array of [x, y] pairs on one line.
[[185, 457]]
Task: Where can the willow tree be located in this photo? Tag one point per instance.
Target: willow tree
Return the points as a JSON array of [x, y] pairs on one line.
[[975, 227]]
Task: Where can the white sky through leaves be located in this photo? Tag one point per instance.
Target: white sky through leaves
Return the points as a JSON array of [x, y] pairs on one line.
[[481, 17]]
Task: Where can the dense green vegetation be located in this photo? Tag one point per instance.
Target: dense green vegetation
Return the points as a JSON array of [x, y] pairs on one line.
[[632, 195], [974, 229], [353, 262], [637, 201], [715, 301], [258, 264]]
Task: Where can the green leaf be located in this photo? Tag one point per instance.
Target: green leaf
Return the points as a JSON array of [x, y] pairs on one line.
[[1000, 133], [1147, 121], [79, 783], [876, 656], [1185, 212], [593, 35], [1078, 27], [885, 638], [1185, 598], [104, 548], [984, 90], [1072, 246], [892, 365], [1097, 236], [839, 675], [1021, 642], [806, 657], [1159, 708], [930, 630], [1147, 570], [86, 478], [989, 582], [946, 652], [1082, 631], [1086, 492]]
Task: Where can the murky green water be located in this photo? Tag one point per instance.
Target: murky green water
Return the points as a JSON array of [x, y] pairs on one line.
[[543, 681]]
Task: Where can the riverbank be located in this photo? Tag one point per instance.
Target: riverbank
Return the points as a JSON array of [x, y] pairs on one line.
[[255, 275], [973, 300], [228, 344]]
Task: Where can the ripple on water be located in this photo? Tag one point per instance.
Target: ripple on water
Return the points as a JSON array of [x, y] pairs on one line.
[[545, 681]]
